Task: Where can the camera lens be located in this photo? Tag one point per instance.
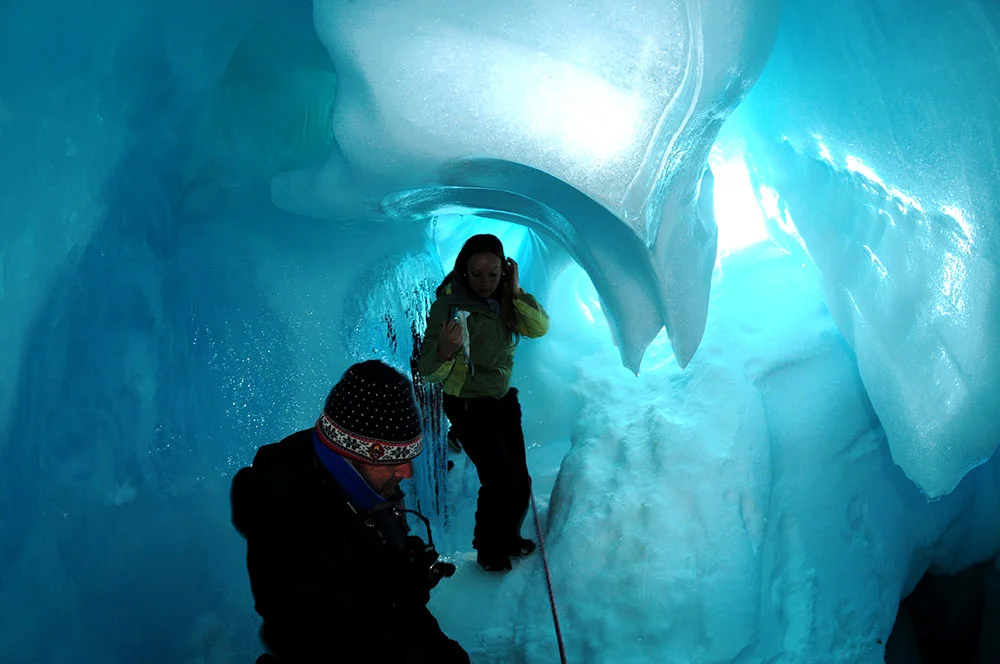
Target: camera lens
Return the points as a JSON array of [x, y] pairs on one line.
[[439, 571]]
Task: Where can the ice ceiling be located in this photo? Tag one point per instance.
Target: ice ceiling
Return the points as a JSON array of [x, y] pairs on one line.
[[169, 171], [592, 122]]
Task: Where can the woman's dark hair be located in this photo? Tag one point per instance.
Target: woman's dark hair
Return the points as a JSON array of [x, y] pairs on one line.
[[485, 244]]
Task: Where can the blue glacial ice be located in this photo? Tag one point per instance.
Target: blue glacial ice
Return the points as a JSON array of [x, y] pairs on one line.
[[878, 141], [208, 209], [480, 110]]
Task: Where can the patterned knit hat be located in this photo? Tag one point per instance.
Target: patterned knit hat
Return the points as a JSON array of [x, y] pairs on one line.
[[371, 417]]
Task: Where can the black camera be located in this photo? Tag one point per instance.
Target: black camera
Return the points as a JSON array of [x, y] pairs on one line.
[[439, 571], [425, 557]]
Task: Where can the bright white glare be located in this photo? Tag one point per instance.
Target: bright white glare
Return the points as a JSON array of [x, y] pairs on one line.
[[876, 263], [824, 150], [588, 307], [953, 278], [592, 119], [855, 165], [738, 214], [769, 202], [905, 199], [958, 214]]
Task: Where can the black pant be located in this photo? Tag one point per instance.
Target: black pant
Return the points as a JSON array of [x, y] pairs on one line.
[[490, 433]]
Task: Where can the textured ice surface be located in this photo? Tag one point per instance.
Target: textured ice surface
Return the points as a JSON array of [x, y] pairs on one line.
[[147, 334], [160, 319], [591, 120], [876, 130], [744, 510]]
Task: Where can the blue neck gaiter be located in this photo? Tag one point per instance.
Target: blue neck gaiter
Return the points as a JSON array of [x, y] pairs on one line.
[[360, 495]]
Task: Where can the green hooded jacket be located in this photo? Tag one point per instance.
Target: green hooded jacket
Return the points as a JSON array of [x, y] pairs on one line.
[[490, 348]]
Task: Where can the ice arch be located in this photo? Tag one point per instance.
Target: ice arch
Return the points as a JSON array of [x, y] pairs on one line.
[[154, 302], [461, 113], [620, 101]]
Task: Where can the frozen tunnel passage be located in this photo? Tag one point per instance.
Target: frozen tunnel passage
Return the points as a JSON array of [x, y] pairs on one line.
[[766, 233]]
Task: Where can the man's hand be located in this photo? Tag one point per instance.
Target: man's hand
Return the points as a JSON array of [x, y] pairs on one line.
[[449, 339]]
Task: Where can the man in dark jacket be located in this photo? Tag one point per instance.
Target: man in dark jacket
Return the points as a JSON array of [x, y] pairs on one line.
[[334, 573]]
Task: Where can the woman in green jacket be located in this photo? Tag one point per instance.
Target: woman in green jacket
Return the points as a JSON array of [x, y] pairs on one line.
[[473, 328]]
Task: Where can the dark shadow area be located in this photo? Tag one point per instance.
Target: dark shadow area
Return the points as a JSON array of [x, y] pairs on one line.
[[949, 619]]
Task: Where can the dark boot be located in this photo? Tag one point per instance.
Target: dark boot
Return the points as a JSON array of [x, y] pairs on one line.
[[520, 547], [492, 561]]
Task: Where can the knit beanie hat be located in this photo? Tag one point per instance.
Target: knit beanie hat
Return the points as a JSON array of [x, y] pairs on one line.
[[370, 416]]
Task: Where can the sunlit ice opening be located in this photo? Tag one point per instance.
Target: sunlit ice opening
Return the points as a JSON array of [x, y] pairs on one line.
[[738, 213]]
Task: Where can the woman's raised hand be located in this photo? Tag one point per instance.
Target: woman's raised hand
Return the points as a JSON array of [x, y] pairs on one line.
[[450, 339], [515, 277]]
